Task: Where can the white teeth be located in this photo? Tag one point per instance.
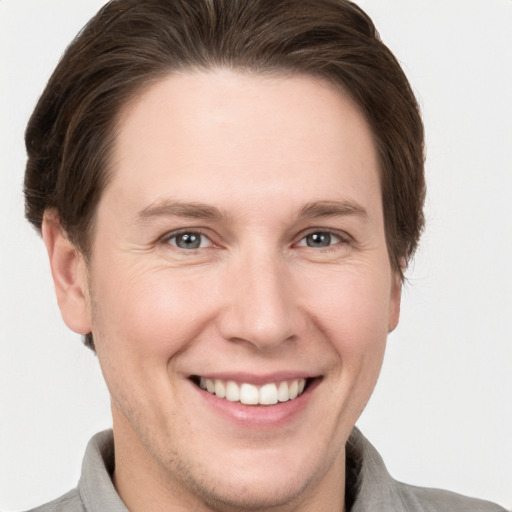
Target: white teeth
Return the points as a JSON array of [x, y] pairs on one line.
[[249, 394], [210, 386], [293, 389], [268, 394], [220, 389], [283, 394], [232, 391]]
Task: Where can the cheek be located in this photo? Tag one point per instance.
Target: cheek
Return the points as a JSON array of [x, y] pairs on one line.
[[352, 306], [351, 310], [153, 312]]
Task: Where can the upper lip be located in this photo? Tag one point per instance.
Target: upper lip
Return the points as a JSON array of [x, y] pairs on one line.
[[256, 379]]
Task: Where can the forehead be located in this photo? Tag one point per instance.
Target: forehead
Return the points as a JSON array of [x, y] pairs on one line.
[[219, 135]]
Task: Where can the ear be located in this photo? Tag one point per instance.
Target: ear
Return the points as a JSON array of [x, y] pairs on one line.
[[395, 301], [69, 274]]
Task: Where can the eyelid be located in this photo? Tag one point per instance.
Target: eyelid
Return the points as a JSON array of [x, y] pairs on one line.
[[343, 236], [165, 239]]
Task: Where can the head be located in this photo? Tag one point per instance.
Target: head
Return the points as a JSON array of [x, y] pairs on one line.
[[146, 78]]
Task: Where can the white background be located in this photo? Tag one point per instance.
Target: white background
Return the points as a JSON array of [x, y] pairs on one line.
[[442, 412]]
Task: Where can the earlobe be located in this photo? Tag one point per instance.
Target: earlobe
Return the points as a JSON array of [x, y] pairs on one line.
[[69, 274], [394, 306]]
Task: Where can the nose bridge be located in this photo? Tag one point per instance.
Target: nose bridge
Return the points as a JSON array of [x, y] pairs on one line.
[[261, 302]]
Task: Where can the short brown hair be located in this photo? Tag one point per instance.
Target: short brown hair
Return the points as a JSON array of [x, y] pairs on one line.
[[131, 43]]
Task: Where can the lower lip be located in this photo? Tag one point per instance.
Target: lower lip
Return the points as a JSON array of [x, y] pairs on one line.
[[259, 416]]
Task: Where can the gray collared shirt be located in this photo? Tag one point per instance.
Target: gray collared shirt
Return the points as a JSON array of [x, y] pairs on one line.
[[369, 487]]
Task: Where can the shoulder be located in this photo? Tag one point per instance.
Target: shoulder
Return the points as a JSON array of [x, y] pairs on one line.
[[70, 502], [438, 500], [372, 489]]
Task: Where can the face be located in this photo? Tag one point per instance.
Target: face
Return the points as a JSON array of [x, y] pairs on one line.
[[240, 290]]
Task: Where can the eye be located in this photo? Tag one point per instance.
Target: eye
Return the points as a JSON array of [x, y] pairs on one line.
[[319, 240], [189, 240]]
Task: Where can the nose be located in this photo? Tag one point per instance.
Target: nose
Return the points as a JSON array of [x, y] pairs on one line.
[[260, 308]]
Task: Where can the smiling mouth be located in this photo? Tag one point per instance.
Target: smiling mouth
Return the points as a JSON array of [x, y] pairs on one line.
[[249, 394]]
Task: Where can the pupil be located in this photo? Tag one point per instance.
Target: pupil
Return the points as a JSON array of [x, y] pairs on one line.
[[188, 241], [319, 240]]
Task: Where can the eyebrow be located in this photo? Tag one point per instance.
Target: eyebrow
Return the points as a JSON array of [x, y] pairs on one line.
[[319, 209], [195, 210], [169, 208]]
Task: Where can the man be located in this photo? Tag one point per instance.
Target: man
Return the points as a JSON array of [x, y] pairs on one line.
[[229, 195]]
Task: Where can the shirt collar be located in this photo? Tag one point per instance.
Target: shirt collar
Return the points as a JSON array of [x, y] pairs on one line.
[[370, 485], [95, 487]]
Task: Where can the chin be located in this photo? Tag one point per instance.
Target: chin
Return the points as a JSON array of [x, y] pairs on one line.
[[255, 481], [250, 492]]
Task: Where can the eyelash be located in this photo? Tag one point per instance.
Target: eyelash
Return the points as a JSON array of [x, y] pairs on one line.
[[195, 232], [341, 238]]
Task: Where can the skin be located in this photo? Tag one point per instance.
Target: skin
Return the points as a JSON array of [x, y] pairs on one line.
[[279, 158]]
